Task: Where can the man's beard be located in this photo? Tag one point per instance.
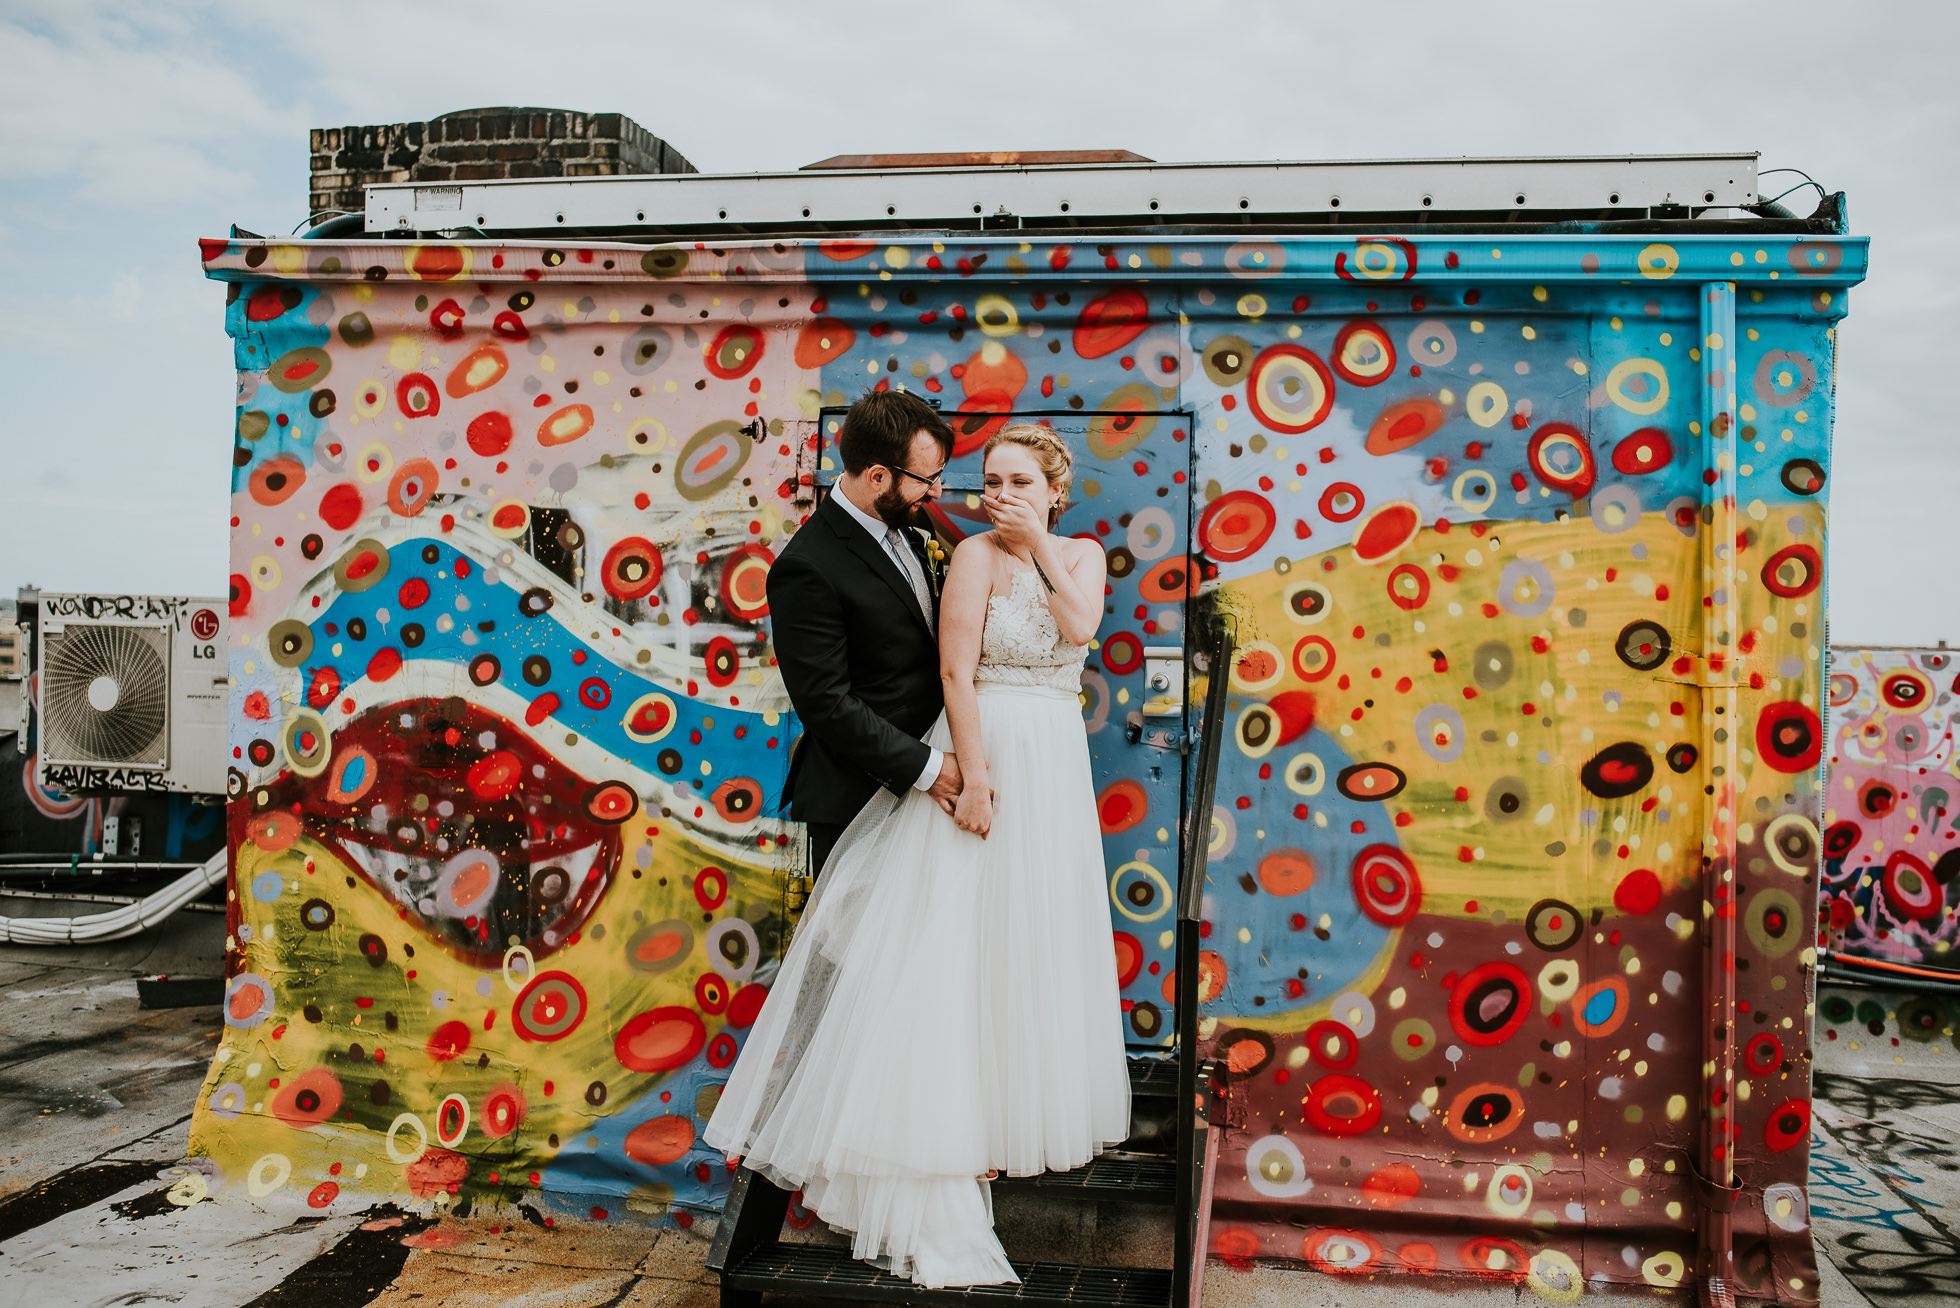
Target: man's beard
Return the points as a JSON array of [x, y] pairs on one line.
[[893, 509]]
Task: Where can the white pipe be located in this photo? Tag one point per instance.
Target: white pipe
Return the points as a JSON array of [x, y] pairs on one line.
[[126, 921], [77, 897], [79, 868]]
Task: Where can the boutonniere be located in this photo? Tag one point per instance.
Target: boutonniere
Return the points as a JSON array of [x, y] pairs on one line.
[[937, 553]]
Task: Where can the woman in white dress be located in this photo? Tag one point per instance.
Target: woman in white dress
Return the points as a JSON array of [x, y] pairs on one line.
[[948, 1007]]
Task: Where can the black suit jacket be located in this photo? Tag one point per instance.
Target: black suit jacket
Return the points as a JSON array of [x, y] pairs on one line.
[[860, 662]]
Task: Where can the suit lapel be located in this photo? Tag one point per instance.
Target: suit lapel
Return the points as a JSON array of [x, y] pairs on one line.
[[872, 553]]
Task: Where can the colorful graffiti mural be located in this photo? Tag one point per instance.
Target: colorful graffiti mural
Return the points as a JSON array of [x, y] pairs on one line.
[[1891, 849], [1523, 538], [1506, 698]]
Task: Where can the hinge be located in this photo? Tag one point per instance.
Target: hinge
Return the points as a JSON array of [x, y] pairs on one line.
[[1156, 737], [808, 444]]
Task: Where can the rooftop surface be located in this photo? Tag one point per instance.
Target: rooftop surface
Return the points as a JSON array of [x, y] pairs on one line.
[[96, 1094]]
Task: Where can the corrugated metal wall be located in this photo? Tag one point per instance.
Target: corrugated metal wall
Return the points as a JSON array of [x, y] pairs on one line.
[[1512, 858]]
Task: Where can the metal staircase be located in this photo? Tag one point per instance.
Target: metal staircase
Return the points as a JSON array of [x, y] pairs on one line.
[[1166, 1163]]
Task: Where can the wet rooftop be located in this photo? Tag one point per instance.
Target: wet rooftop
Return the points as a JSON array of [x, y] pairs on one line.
[[95, 1103]]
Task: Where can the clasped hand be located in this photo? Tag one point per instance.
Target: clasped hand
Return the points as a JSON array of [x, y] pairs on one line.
[[975, 810], [971, 807]]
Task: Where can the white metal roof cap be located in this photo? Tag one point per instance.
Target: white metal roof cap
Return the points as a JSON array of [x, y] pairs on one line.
[[1065, 192]]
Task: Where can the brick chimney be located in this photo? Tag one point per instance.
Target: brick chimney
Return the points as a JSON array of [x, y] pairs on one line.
[[478, 144]]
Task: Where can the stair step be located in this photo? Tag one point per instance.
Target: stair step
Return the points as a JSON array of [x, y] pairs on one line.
[[1153, 1078], [1153, 1105], [1116, 1176], [825, 1272]]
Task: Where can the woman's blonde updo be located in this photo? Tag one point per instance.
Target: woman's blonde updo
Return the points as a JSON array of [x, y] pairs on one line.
[[1051, 455]]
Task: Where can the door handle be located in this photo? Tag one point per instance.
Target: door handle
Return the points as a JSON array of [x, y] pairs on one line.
[[1163, 681]]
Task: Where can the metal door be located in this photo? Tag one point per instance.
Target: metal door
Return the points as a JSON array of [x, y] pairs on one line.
[[1133, 701]]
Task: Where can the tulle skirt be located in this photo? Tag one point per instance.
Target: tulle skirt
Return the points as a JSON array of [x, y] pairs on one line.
[[948, 1005]]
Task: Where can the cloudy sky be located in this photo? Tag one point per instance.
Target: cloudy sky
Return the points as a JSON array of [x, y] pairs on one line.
[[127, 130]]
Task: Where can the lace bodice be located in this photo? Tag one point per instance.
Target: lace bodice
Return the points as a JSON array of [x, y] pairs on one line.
[[1021, 645]]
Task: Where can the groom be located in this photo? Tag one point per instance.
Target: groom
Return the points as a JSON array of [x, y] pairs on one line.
[[853, 600]]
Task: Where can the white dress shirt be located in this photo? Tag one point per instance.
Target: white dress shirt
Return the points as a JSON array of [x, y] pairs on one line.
[[908, 564]]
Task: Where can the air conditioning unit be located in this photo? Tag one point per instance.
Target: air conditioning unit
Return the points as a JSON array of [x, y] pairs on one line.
[[132, 693]]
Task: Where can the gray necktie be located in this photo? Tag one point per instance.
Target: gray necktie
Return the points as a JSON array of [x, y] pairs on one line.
[[902, 555]]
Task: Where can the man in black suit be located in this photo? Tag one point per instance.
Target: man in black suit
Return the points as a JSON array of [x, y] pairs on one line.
[[853, 600]]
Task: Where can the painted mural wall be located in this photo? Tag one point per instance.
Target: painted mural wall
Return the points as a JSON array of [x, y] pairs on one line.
[[1891, 849], [1518, 813], [1546, 713]]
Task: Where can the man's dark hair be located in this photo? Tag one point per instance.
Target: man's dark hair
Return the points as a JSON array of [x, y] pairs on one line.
[[879, 429]]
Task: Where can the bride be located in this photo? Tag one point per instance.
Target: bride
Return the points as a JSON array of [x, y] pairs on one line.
[[947, 1009]]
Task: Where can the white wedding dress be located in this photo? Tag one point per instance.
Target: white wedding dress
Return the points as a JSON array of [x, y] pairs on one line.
[[948, 1004]]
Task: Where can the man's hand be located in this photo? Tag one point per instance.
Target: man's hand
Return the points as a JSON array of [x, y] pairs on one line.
[[946, 790]]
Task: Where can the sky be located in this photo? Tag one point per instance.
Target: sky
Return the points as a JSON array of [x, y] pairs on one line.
[[128, 130]]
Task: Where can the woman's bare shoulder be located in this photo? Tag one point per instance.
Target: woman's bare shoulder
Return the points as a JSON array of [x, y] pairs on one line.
[[975, 554], [973, 545], [975, 563]]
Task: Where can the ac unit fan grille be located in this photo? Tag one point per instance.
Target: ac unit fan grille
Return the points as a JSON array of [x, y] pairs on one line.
[[105, 695]]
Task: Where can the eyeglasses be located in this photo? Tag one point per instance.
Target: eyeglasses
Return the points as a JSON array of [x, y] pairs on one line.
[[934, 480]]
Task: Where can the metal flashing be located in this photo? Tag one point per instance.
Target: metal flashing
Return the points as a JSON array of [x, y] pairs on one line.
[[1064, 194]]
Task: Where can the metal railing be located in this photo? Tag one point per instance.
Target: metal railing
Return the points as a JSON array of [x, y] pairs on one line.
[[1196, 1145]]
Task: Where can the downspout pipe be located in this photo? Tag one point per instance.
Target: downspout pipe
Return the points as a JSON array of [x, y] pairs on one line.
[[1721, 728]]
